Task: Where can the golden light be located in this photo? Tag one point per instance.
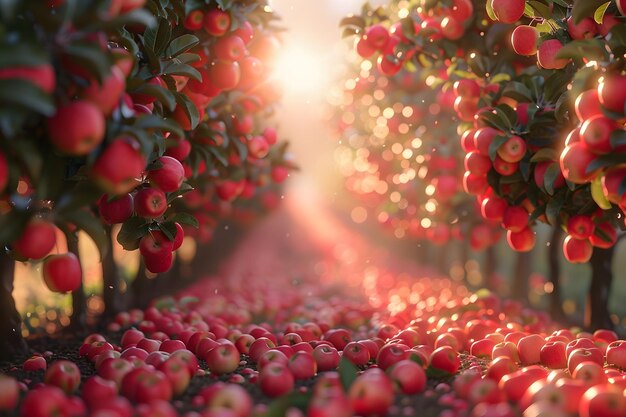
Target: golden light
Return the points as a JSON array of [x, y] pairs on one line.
[[301, 71]]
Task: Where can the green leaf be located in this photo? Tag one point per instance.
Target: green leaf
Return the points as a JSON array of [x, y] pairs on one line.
[[518, 91], [529, 11], [436, 373], [554, 207], [218, 155], [606, 161], [91, 58], [22, 93], [544, 155], [25, 55], [181, 44], [11, 225], [583, 48], [490, 12], [618, 138], [347, 373], [352, 20], [87, 222], [185, 218], [279, 407], [169, 229], [189, 108], [164, 125], [585, 8], [177, 68], [549, 178], [165, 96], [158, 37], [598, 16], [598, 194], [131, 232], [540, 8]]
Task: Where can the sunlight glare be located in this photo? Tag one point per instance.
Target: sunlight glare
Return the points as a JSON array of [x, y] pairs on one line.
[[301, 71]]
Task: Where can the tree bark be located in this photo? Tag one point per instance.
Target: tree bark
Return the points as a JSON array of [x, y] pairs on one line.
[[597, 313], [11, 341], [519, 287], [140, 287], [111, 281], [78, 321], [554, 273]]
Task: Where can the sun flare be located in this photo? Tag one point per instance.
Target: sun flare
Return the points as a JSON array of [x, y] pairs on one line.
[[301, 71]]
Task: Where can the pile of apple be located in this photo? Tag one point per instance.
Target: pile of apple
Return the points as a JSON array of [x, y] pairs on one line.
[[484, 356]]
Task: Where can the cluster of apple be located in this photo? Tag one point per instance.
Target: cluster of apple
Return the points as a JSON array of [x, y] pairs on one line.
[[397, 142], [130, 118], [437, 20]]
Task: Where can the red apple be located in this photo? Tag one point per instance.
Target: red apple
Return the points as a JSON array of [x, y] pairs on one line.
[[546, 55], [611, 92], [408, 377], [223, 359], [508, 11], [577, 250], [216, 22], [116, 210], [327, 357], [302, 365], [37, 240], [118, 169], [96, 390], [522, 241], [276, 380], [9, 393], [169, 176], [77, 128], [524, 40], [62, 273]]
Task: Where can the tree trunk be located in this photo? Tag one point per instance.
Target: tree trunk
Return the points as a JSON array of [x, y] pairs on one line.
[[442, 258], [111, 281], [140, 287], [11, 341], [79, 300], [521, 273], [597, 314], [554, 272]]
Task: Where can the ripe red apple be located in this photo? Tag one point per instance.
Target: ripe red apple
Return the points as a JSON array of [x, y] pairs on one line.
[[194, 20], [62, 273], [44, 401], [501, 366], [42, 76], [608, 231], [446, 359], [577, 250], [216, 22], [229, 48], [37, 240], [225, 75], [156, 250], [602, 401], [221, 396], [115, 210], [515, 218], [596, 133], [553, 356], [546, 55], [475, 184], [612, 93], [590, 372], [524, 40], [175, 369], [376, 36], [508, 11], [276, 380], [169, 176], [178, 148], [586, 28], [98, 390], [477, 163], [302, 365], [580, 355], [327, 357], [391, 354], [408, 377], [223, 359], [466, 88], [371, 393], [9, 393], [150, 203], [587, 105], [580, 226], [513, 150], [529, 348], [451, 28], [106, 96], [522, 241], [574, 161], [118, 169], [76, 128], [505, 168], [143, 385], [483, 139], [466, 108], [616, 354], [493, 208], [356, 353]]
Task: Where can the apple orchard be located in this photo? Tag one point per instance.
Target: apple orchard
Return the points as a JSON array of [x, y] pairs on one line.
[[465, 129]]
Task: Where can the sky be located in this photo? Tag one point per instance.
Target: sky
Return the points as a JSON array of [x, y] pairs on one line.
[[309, 65]]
